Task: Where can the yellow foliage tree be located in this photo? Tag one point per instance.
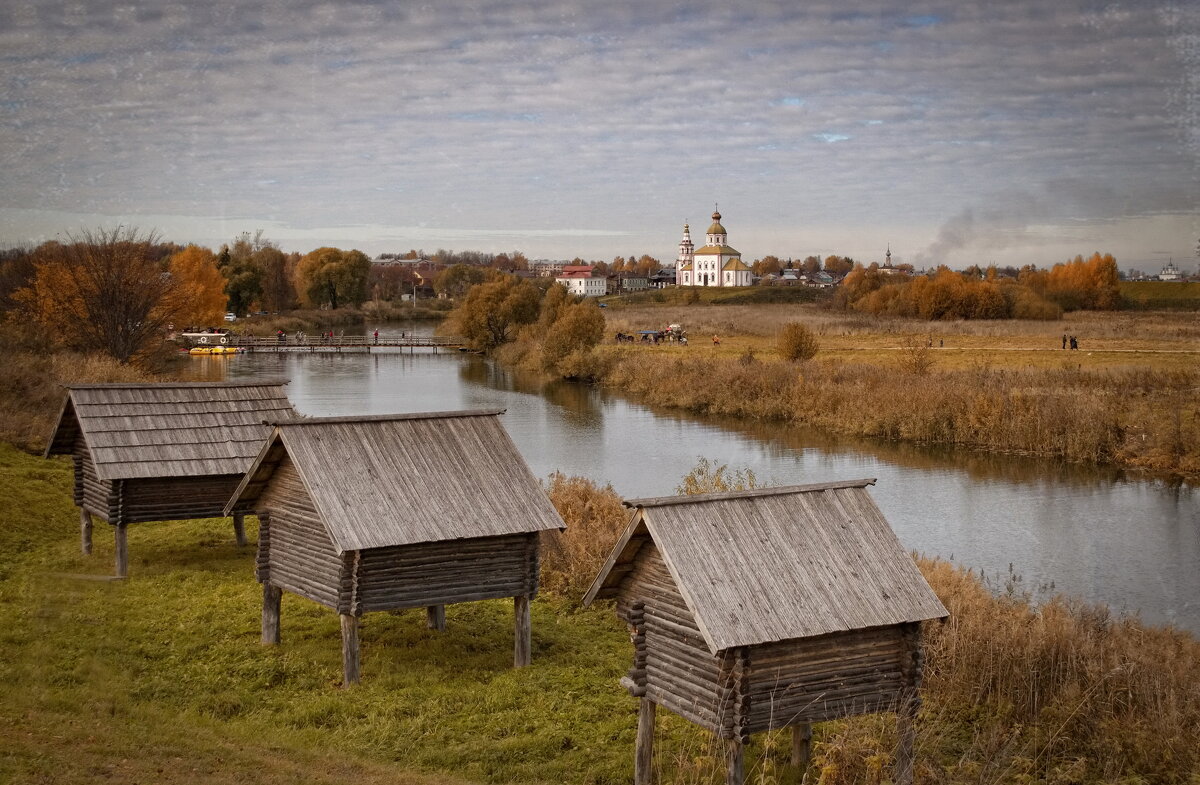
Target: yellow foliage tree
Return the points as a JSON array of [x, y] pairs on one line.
[[198, 297], [104, 291]]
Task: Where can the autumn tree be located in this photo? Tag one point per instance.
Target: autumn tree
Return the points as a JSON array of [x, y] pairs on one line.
[[105, 290], [243, 281], [810, 265], [838, 265], [491, 312], [454, 281], [275, 280], [198, 297], [332, 277], [767, 265]]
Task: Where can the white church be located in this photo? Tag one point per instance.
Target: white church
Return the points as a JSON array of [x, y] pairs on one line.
[[716, 264]]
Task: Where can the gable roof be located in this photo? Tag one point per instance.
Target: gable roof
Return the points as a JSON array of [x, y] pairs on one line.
[[773, 564], [404, 479], [174, 429]]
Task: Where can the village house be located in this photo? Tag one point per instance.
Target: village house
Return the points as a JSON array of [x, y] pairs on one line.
[[765, 609], [161, 452], [579, 281], [381, 513]]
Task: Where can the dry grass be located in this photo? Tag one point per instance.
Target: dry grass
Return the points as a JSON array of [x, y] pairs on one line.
[[1013, 692], [32, 389], [991, 386]]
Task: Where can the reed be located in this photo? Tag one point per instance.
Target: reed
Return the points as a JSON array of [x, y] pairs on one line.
[[1014, 691], [1132, 417]]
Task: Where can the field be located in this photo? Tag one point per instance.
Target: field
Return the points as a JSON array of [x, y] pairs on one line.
[[161, 677], [1161, 295], [1126, 397], [1157, 341]]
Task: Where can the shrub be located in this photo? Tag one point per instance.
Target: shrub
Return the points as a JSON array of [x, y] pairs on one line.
[[595, 518], [797, 342]]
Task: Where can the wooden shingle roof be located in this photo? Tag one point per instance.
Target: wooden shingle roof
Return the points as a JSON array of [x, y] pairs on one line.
[[169, 430], [405, 479], [775, 564]]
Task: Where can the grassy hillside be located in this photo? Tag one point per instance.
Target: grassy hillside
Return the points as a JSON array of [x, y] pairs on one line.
[[161, 678], [1161, 295]]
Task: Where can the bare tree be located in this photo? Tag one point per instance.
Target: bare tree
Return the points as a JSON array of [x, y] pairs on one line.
[[104, 290]]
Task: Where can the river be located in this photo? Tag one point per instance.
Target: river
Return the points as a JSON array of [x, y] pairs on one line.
[[1131, 543]]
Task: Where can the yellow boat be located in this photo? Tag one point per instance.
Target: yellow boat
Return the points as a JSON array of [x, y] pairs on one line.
[[215, 350]]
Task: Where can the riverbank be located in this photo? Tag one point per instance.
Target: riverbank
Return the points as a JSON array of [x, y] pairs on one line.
[[162, 676], [1127, 398]]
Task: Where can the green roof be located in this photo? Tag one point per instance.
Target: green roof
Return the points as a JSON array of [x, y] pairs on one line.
[[716, 228], [712, 250]]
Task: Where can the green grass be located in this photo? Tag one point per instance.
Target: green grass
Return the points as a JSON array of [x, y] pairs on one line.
[[1160, 295], [161, 678], [170, 660]]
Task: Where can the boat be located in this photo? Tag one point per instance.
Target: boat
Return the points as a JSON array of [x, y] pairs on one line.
[[205, 350]]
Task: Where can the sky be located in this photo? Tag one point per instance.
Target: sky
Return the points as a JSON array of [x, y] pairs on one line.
[[960, 132]]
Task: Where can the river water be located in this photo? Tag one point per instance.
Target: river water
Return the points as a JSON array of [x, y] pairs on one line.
[[1128, 542]]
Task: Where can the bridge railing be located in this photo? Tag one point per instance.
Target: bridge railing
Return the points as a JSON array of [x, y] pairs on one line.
[[303, 339]]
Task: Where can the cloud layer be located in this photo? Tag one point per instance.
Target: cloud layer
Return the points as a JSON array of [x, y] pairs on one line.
[[951, 129]]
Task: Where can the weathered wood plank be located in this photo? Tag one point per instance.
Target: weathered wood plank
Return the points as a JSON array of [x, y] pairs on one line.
[[644, 747], [435, 617], [85, 531], [272, 601], [350, 657], [523, 631]]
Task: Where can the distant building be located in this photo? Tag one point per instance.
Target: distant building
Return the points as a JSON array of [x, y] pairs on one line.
[[579, 281], [546, 268], [716, 264], [620, 283], [1170, 273]]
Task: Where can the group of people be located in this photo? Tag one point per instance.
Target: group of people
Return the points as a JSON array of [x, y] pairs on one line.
[[1070, 341]]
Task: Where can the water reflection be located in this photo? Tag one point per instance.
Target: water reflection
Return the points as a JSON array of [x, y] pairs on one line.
[[1129, 542]]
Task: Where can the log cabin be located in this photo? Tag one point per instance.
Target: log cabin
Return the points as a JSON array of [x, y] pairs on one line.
[[765, 609], [161, 452], [388, 512]]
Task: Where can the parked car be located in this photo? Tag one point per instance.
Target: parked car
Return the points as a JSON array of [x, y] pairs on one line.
[[231, 317]]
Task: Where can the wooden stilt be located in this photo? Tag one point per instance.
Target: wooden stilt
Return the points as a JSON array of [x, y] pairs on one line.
[[644, 752], [801, 744], [735, 762], [906, 730], [272, 600], [349, 649], [435, 617], [85, 532], [122, 549], [239, 528], [523, 632]]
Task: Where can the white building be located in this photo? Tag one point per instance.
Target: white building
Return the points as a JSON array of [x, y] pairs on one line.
[[579, 281], [716, 264], [1170, 273]]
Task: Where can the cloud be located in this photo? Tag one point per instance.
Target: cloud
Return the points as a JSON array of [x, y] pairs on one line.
[[617, 116]]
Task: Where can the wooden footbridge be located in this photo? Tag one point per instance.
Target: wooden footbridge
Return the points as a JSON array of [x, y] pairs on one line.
[[302, 342]]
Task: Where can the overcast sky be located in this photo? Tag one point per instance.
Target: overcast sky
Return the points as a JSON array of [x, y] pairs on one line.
[[959, 132]]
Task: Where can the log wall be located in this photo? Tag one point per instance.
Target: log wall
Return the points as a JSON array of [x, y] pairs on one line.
[[672, 662], [827, 677], [92, 494], [176, 498], [443, 573], [297, 553]]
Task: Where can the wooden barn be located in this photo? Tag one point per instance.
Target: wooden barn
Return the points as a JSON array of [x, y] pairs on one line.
[[401, 511], [767, 609], [161, 452]]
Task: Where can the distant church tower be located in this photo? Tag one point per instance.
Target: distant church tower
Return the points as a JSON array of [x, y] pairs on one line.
[[716, 264], [683, 262]]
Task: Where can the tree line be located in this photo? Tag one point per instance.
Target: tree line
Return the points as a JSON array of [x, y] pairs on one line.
[[117, 290], [1078, 284]]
